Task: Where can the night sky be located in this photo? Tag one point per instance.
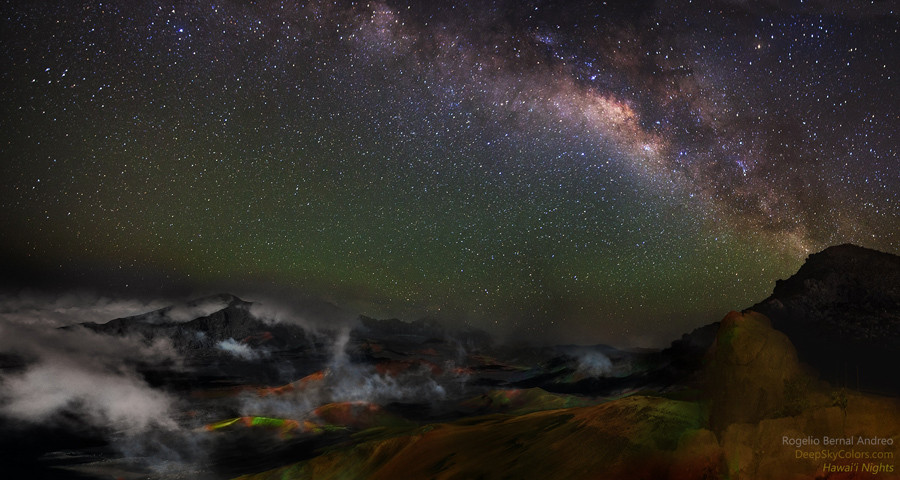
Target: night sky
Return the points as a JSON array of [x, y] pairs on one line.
[[577, 171]]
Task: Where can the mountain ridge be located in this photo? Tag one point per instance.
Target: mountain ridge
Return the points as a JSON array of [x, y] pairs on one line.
[[841, 310]]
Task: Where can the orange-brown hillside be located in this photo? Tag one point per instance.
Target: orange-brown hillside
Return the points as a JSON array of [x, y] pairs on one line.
[[756, 395]]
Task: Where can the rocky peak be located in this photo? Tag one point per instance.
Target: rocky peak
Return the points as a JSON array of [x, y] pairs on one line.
[[842, 273], [842, 312], [843, 290]]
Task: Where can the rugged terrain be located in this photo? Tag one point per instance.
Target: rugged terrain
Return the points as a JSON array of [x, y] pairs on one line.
[[237, 392]]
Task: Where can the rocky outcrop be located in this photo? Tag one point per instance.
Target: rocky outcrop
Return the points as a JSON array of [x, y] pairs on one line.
[[750, 365], [846, 291], [842, 312], [761, 399]]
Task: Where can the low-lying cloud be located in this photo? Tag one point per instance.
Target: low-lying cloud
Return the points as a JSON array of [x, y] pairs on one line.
[[238, 349], [93, 376], [31, 307], [346, 381], [117, 399], [594, 364]]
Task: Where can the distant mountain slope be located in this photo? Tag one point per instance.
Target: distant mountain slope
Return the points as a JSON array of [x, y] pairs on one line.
[[842, 312], [200, 325], [225, 342]]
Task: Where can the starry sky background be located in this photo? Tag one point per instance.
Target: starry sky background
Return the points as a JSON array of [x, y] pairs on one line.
[[567, 171]]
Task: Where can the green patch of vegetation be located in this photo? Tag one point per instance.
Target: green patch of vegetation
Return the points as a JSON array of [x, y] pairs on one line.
[[267, 422]]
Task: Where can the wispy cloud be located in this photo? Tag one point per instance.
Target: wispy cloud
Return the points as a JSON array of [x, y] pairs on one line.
[[92, 376], [238, 349], [32, 307]]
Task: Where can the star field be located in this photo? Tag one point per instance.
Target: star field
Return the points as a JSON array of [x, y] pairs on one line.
[[591, 171]]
